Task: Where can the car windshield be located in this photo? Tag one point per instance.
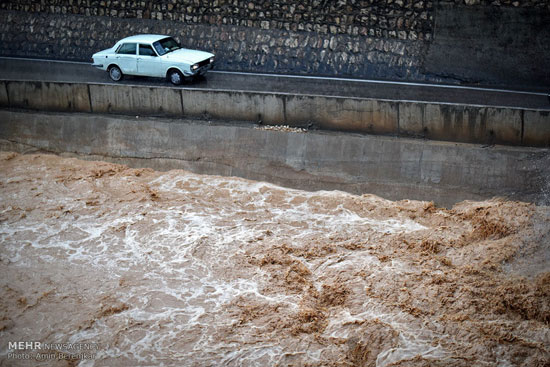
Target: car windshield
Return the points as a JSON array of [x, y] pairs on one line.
[[166, 45]]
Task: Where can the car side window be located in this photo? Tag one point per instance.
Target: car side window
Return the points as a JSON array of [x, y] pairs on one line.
[[127, 49], [159, 48], [146, 50]]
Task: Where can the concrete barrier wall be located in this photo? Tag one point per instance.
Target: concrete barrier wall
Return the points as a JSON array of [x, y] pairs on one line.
[[130, 100], [344, 114], [4, 101], [537, 128], [472, 124], [234, 105], [447, 122], [49, 96], [394, 168]]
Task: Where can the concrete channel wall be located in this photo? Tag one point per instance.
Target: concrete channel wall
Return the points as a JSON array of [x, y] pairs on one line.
[[445, 122], [392, 167]]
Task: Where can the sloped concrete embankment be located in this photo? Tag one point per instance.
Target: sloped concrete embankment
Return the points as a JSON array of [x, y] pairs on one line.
[[394, 168]]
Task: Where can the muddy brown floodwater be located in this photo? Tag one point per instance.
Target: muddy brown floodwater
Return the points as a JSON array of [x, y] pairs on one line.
[[179, 269]]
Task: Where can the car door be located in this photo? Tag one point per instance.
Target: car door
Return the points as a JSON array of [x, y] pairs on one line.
[[126, 58], [148, 63]]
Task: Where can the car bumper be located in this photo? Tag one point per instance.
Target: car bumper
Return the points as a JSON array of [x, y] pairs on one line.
[[99, 66], [202, 70]]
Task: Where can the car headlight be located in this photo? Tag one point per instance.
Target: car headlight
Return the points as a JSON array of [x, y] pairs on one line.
[[195, 67], [212, 59]]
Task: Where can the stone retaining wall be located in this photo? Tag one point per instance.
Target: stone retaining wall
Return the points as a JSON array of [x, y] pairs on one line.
[[76, 37], [397, 19], [394, 39]]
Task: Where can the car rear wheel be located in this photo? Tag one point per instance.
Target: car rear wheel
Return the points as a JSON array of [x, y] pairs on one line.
[[115, 73], [175, 77]]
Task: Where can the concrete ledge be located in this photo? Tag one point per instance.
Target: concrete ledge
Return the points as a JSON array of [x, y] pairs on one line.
[[49, 96], [394, 168], [132, 100], [231, 105], [411, 119], [446, 122], [537, 128], [483, 125], [4, 101], [343, 114]]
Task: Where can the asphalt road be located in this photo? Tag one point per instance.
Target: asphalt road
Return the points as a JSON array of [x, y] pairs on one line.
[[59, 71]]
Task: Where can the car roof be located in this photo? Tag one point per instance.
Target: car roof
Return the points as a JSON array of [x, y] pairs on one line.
[[147, 38]]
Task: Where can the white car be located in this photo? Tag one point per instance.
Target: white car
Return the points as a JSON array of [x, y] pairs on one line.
[[152, 55]]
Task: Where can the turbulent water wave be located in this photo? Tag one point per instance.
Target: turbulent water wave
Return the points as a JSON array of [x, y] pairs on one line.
[[179, 269]]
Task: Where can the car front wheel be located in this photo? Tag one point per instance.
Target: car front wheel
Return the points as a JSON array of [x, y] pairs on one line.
[[115, 73], [175, 77]]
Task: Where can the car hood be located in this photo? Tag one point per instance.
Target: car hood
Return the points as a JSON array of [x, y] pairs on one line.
[[188, 56]]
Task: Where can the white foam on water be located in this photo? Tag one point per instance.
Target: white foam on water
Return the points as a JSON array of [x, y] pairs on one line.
[[186, 260]]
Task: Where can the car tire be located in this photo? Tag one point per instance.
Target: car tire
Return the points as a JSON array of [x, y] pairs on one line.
[[115, 73], [175, 77]]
